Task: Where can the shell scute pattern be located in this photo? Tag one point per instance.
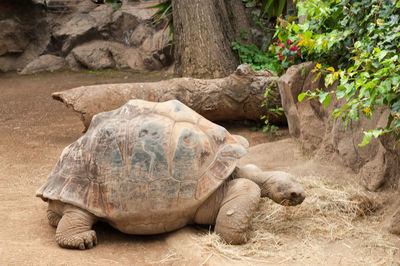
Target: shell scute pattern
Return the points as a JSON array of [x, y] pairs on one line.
[[144, 158], [192, 153]]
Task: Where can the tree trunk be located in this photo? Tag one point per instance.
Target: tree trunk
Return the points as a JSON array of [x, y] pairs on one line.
[[236, 97], [203, 36], [239, 20]]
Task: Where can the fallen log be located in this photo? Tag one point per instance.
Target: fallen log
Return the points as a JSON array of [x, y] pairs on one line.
[[236, 97]]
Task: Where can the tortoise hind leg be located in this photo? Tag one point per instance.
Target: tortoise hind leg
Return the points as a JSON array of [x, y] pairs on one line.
[[53, 217], [54, 212], [240, 202], [74, 228]]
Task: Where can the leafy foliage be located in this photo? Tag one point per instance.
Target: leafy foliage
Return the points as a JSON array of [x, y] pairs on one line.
[[116, 4], [271, 8], [269, 101], [256, 57], [164, 13], [361, 53]]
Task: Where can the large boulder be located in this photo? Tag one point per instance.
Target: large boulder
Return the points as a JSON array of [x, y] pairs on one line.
[[84, 27], [44, 63], [377, 164], [97, 55], [24, 33]]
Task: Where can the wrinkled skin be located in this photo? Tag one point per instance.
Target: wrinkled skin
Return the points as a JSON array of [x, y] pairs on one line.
[[230, 208], [279, 186]]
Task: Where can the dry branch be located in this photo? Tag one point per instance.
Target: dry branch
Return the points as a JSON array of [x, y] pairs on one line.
[[236, 97]]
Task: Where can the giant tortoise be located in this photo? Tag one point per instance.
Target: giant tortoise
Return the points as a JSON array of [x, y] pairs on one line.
[[150, 168]]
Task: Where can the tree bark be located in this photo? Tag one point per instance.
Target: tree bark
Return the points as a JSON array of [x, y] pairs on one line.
[[239, 20], [203, 36], [236, 97]]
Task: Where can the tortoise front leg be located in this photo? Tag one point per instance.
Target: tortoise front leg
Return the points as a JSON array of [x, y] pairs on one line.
[[231, 208], [53, 217], [237, 209], [74, 228]]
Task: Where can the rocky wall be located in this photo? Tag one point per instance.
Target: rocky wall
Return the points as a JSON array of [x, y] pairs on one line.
[[377, 164], [38, 35]]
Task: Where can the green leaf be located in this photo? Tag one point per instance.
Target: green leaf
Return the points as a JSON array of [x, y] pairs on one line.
[[357, 44], [327, 100], [329, 79], [368, 136], [382, 55], [340, 94], [301, 96], [265, 4], [282, 4], [322, 96], [395, 107], [366, 139], [296, 28], [376, 132]]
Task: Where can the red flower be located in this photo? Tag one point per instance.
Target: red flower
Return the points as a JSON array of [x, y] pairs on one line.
[[288, 41], [281, 45], [298, 52], [294, 48], [278, 53], [281, 57]]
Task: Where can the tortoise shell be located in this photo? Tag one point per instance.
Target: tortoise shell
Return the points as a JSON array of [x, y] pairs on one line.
[[144, 160]]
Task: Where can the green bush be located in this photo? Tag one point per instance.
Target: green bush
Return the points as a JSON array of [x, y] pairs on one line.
[[356, 43]]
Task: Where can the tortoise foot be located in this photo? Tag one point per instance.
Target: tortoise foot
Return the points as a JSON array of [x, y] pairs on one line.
[[74, 229], [85, 240]]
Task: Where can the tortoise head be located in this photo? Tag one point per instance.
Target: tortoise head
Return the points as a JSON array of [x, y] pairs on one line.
[[283, 188]]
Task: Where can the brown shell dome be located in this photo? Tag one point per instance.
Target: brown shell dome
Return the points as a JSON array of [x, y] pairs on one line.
[[142, 159]]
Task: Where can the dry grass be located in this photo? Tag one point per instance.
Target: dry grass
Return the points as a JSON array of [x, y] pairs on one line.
[[336, 224]]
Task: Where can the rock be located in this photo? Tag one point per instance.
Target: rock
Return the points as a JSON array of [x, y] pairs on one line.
[[140, 34], [141, 11], [311, 125], [8, 63], [158, 48], [39, 2], [95, 55], [12, 37], [102, 23], [44, 63], [158, 41], [104, 54], [84, 27], [290, 85], [394, 219], [122, 26], [24, 34], [62, 6], [372, 174], [72, 63], [129, 38], [377, 164]]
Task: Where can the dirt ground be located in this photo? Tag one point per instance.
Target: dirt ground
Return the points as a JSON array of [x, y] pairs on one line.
[[34, 129]]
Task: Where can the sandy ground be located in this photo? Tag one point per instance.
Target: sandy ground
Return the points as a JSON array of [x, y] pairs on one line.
[[33, 131]]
